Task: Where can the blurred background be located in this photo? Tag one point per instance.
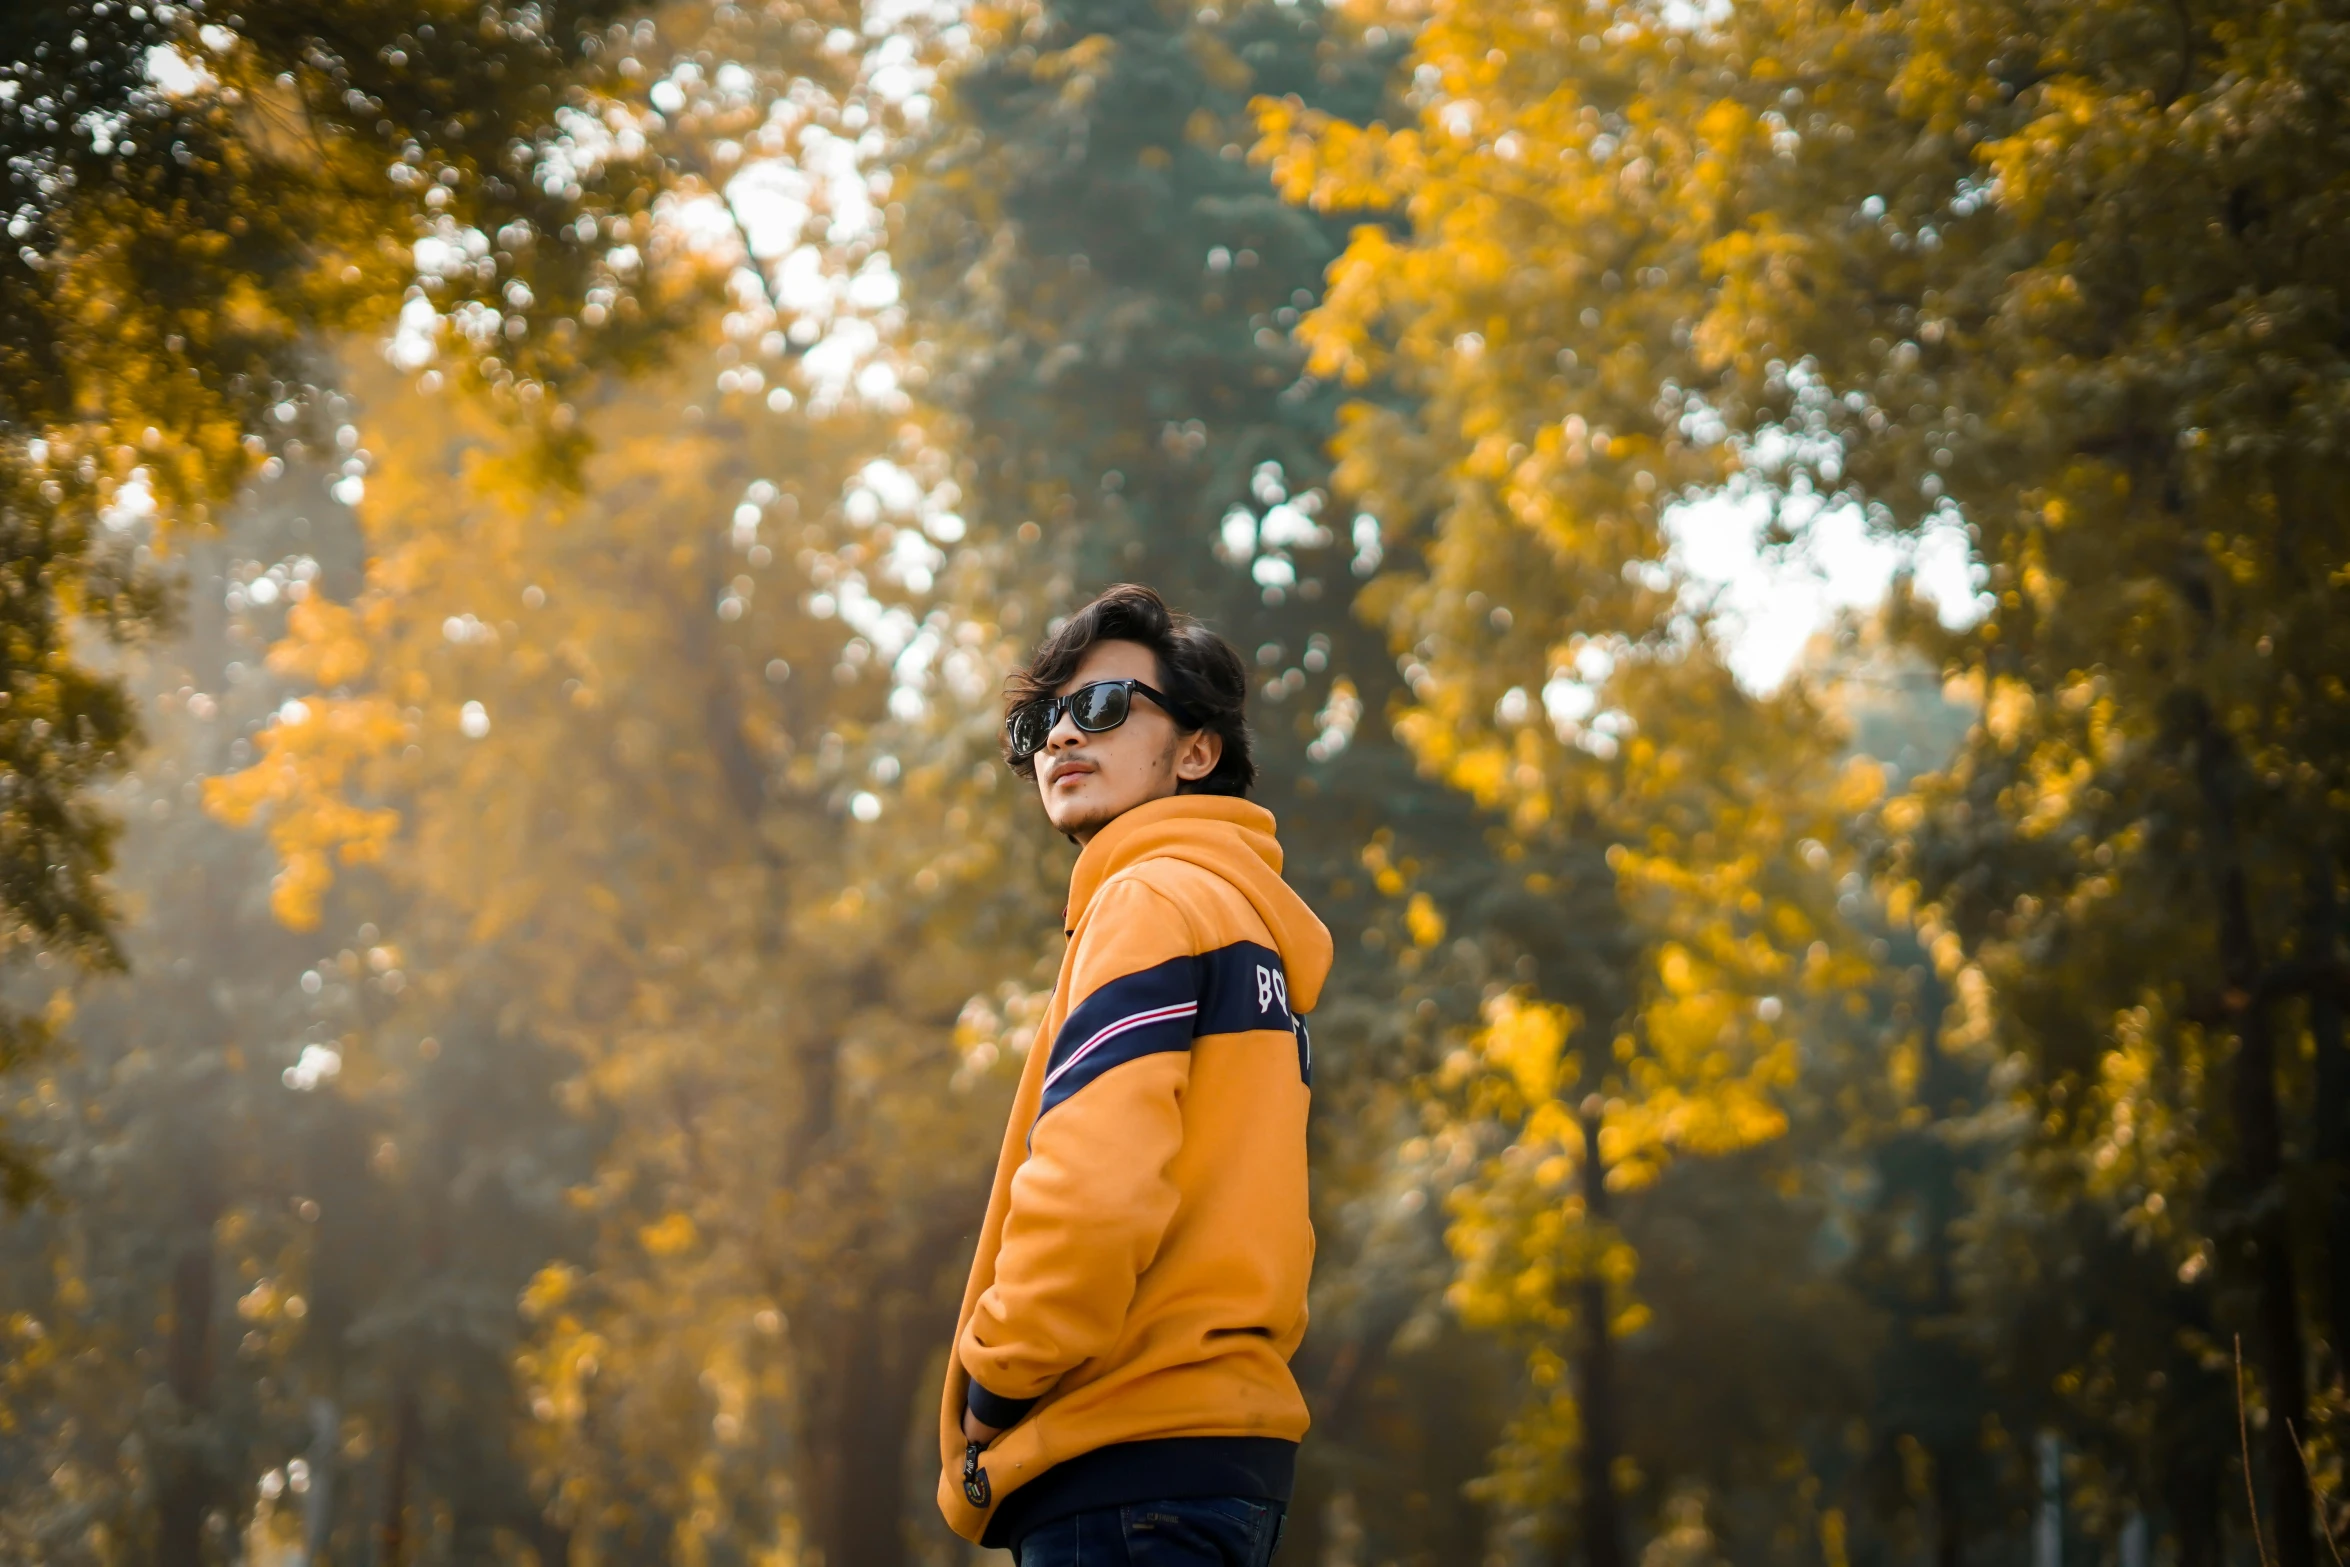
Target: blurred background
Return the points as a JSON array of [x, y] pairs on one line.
[[1793, 556]]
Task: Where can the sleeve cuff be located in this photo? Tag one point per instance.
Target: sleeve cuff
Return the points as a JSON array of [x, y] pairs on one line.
[[993, 1409]]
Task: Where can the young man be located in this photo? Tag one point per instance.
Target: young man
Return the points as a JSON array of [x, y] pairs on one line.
[[1119, 1387]]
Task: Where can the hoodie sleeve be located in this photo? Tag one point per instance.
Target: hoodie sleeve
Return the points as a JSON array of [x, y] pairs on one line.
[[1092, 1200]]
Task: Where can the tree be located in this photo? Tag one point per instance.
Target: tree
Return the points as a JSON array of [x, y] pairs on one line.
[[271, 1191], [193, 201], [2079, 255], [1100, 286], [616, 761], [125, 1385], [1514, 311], [1963, 266]]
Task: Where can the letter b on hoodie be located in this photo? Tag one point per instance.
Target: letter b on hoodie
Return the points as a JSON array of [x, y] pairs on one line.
[[1272, 986]]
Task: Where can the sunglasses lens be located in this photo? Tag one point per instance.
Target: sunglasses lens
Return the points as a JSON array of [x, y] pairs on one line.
[[1097, 708], [1026, 729]]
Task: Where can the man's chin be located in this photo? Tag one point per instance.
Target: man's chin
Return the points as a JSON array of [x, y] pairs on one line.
[[1082, 818]]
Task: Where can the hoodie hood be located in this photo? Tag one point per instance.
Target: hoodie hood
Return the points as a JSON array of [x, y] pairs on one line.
[[1234, 839]]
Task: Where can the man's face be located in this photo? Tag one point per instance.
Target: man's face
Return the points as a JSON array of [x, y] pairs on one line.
[[1088, 781]]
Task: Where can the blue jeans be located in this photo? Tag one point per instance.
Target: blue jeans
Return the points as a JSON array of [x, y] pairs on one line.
[[1208, 1531]]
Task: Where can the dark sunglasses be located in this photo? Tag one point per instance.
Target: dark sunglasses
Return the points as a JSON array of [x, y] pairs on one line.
[[1095, 709]]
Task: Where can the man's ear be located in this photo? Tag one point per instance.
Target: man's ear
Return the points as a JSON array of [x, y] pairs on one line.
[[1198, 755]]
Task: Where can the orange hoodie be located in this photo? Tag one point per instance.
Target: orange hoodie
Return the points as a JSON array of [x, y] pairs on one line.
[[1140, 1282]]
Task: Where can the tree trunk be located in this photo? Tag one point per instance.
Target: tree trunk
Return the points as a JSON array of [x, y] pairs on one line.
[[318, 1506], [2266, 1227], [1603, 1531], [2197, 1523], [551, 1541], [1335, 1372], [391, 1534], [1949, 1518], [1305, 1532], [1942, 1090], [182, 1490], [853, 1452], [2330, 1137]]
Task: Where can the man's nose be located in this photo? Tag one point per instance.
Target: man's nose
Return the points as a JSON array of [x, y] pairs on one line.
[[1064, 733]]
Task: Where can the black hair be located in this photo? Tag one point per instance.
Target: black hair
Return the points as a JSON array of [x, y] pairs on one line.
[[1198, 670]]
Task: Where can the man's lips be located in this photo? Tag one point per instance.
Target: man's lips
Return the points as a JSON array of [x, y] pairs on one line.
[[1068, 769]]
